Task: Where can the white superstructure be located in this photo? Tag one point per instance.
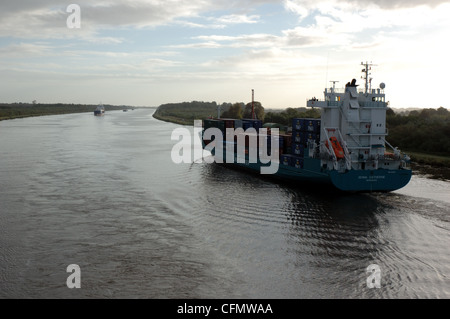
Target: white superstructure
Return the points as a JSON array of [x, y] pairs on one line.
[[356, 118]]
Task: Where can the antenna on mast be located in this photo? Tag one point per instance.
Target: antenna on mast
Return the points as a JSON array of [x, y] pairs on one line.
[[334, 85], [326, 76], [366, 71]]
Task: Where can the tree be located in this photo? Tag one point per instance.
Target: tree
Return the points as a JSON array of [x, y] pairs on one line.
[[234, 112], [390, 112], [276, 117], [291, 113], [426, 113], [259, 110], [442, 111]]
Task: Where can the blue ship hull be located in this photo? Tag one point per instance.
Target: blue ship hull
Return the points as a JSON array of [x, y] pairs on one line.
[[380, 180]]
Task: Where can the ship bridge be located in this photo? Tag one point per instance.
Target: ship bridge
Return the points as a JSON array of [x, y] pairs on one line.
[[335, 98]]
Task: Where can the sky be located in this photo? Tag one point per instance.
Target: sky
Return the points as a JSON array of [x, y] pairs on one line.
[[151, 52]]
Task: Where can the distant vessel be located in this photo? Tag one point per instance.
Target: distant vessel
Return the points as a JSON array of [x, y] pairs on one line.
[[99, 111], [346, 148], [125, 110]]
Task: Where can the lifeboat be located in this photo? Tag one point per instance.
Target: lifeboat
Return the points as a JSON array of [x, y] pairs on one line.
[[338, 150], [389, 155]]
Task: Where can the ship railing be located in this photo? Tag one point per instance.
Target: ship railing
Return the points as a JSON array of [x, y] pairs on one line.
[[374, 104], [398, 156], [343, 90], [323, 103], [340, 90], [389, 157], [335, 103], [316, 103]]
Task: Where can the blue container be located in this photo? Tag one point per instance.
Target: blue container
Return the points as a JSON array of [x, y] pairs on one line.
[[312, 125], [297, 162], [299, 137], [257, 124], [297, 124], [312, 137], [286, 160], [210, 123], [246, 125], [298, 149]]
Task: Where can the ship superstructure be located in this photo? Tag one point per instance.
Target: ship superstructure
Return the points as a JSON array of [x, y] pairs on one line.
[[356, 118]]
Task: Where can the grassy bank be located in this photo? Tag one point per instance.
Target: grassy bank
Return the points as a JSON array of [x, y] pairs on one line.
[[173, 119], [427, 159], [186, 112]]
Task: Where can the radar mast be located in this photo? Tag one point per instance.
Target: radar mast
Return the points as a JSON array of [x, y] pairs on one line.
[[366, 77]]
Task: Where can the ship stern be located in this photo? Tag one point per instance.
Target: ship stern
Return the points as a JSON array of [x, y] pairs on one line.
[[381, 180]]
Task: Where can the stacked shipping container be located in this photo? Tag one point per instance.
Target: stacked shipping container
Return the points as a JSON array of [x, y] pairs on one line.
[[304, 130], [291, 146], [223, 124]]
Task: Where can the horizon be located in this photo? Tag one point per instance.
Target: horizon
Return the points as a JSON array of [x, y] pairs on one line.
[[149, 53]]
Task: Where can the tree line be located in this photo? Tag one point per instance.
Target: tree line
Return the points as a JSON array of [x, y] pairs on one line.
[[423, 131]]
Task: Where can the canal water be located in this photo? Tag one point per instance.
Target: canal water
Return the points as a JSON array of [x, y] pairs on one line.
[[103, 193]]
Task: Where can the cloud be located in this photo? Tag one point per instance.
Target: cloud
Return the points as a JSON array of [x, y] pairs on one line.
[[305, 7], [356, 26], [247, 40], [395, 4], [218, 22], [47, 18], [272, 63], [26, 50], [338, 24], [237, 19]]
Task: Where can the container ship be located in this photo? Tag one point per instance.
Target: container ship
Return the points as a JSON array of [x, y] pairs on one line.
[[346, 148], [99, 111]]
